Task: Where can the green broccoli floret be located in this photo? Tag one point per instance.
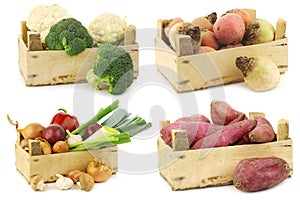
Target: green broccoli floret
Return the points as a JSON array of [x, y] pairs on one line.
[[113, 69], [70, 35]]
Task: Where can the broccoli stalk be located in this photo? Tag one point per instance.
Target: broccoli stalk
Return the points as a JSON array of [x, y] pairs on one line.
[[113, 69], [69, 35]]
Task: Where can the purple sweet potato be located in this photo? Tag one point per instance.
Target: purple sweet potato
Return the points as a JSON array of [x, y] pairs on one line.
[[261, 120], [194, 118], [222, 113], [229, 135], [195, 130], [256, 174], [262, 133]]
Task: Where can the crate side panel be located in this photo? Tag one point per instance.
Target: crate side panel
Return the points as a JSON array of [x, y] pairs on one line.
[[22, 161], [211, 167], [49, 165]]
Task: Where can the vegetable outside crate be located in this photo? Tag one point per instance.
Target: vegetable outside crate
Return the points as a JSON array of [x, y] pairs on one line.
[[188, 71], [52, 67], [183, 168]]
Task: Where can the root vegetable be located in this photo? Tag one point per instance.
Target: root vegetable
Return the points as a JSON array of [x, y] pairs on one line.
[[30, 131], [222, 113], [168, 24], [91, 129], [185, 28], [60, 147], [99, 170], [229, 135], [260, 74], [205, 49], [54, 133], [208, 38], [256, 174], [229, 29], [259, 31], [86, 182], [205, 21], [194, 118], [195, 130], [262, 133], [242, 13]]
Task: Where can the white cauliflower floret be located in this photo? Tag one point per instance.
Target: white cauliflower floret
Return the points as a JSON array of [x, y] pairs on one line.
[[43, 17], [107, 27]]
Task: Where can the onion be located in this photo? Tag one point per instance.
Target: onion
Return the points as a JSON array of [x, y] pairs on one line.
[[74, 174], [60, 147], [31, 131], [100, 171], [260, 73]]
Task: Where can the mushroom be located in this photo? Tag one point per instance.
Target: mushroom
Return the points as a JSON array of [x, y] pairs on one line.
[[37, 183]]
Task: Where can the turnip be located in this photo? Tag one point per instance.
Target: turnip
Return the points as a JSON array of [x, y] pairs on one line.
[[205, 21], [260, 74], [185, 28], [208, 38], [229, 29], [259, 31]]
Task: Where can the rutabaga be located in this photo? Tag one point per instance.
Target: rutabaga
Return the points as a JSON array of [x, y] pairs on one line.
[[260, 74]]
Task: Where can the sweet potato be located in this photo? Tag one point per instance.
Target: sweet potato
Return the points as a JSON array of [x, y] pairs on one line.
[[195, 130], [229, 135], [256, 174], [194, 118], [222, 113], [262, 133]]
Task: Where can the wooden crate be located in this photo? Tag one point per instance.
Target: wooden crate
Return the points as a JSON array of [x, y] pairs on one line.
[[187, 71], [60, 163], [215, 166], [48, 67]]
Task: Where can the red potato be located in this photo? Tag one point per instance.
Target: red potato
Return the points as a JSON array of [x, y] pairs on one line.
[[222, 113], [205, 49], [194, 118], [242, 13], [229, 135], [208, 38], [256, 174], [205, 21], [195, 130], [229, 29]]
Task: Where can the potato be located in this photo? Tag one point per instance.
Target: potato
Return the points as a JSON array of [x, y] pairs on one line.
[[256, 174]]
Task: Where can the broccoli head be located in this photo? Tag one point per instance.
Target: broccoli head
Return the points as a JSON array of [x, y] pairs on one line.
[[113, 69], [69, 35]]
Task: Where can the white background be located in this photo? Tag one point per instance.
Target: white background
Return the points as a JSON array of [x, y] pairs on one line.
[[154, 100]]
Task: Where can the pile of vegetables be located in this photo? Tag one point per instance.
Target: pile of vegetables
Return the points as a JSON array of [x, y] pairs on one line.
[[235, 28], [227, 127], [209, 33], [65, 134], [60, 31], [231, 127]]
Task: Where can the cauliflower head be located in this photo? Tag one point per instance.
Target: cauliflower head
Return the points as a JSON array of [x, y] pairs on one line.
[[43, 17], [108, 28]]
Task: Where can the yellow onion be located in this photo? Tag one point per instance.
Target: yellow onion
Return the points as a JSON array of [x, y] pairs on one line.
[[60, 147], [74, 174], [30, 131], [45, 146], [100, 171]]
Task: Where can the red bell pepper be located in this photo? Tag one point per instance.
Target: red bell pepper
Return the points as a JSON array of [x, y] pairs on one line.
[[67, 121]]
